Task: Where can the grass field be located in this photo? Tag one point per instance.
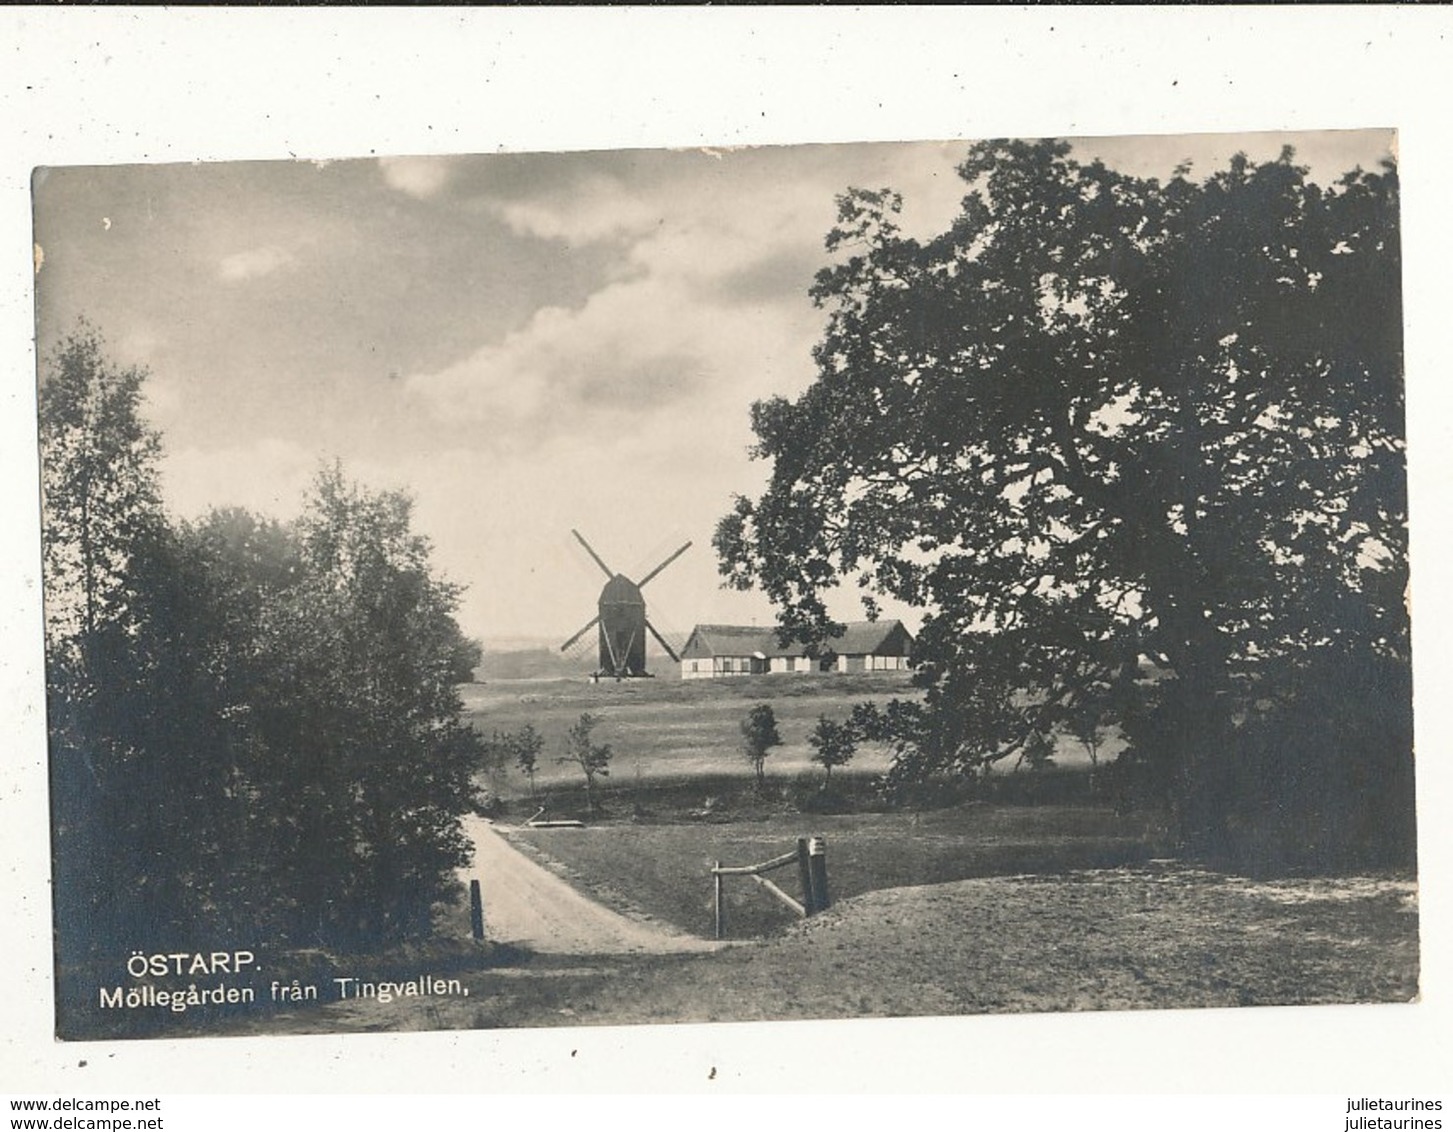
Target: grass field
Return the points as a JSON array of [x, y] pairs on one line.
[[957, 907], [676, 729], [667, 730], [681, 796], [662, 870]]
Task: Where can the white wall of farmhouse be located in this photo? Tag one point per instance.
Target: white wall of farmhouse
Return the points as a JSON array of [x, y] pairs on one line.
[[714, 651], [710, 667], [707, 667], [793, 664], [887, 663]]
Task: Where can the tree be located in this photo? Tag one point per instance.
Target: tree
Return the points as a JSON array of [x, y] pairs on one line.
[[1037, 753], [833, 744], [364, 759], [1086, 727], [149, 671], [1136, 449], [759, 736], [99, 486], [527, 743], [255, 728], [592, 758], [496, 752], [102, 530]]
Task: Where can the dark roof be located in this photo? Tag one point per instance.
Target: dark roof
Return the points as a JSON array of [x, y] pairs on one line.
[[731, 640], [885, 638], [620, 590]]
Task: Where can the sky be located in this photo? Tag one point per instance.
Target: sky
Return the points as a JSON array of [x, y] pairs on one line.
[[527, 343]]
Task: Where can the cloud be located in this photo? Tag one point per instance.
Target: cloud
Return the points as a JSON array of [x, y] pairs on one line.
[[421, 177], [607, 355], [268, 476], [703, 308], [656, 342], [587, 211], [254, 262]]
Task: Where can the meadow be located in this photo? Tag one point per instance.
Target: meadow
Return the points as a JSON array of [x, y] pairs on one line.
[[681, 796], [663, 870], [667, 728], [666, 731], [952, 905]]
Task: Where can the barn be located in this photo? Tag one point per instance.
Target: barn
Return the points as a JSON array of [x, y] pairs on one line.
[[744, 650]]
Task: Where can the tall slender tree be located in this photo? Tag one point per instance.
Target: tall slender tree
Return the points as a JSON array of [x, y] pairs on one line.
[[591, 757], [833, 744], [526, 745], [759, 736], [103, 532], [99, 486]]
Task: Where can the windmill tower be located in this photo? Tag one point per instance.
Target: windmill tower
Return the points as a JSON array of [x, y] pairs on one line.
[[621, 616]]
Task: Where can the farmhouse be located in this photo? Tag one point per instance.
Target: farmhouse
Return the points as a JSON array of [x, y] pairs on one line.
[[741, 650]]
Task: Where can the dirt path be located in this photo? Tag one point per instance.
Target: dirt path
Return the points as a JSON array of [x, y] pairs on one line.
[[529, 906]]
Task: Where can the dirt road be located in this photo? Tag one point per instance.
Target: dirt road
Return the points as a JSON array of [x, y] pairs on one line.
[[529, 906]]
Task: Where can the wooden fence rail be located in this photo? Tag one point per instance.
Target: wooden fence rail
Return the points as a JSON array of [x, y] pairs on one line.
[[810, 857]]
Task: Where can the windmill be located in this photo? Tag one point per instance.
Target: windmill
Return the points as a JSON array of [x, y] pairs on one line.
[[621, 615]]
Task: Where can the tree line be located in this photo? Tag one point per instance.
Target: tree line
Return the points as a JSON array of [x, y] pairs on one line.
[[1136, 449], [255, 730]]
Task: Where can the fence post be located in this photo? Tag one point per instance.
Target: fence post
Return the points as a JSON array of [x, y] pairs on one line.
[[817, 869], [720, 911], [804, 874], [476, 910]]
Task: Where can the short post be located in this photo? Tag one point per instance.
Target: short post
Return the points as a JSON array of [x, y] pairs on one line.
[[804, 874], [817, 869], [720, 911], [476, 910]]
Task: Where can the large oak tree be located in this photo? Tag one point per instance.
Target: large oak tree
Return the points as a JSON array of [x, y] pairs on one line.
[[1136, 449]]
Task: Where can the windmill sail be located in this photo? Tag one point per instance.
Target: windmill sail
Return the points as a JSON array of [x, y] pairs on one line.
[[621, 619]]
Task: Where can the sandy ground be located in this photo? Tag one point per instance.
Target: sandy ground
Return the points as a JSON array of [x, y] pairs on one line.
[[1164, 937], [527, 906], [1161, 936]]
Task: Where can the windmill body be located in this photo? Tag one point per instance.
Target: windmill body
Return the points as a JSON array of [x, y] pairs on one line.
[[622, 626], [621, 620]]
